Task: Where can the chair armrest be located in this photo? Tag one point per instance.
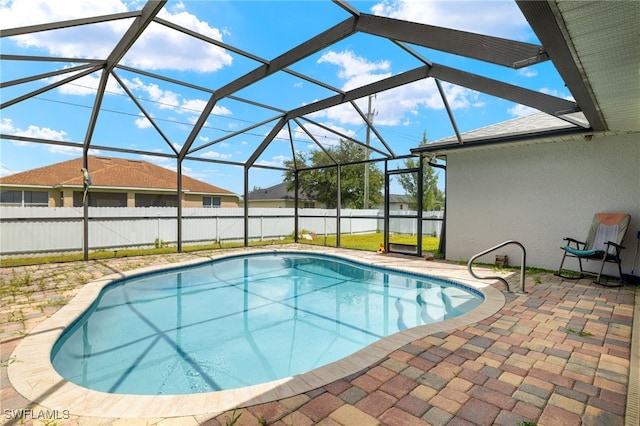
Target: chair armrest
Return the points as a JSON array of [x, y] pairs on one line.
[[577, 243], [617, 246]]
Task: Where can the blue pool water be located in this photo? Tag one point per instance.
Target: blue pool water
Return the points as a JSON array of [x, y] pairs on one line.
[[244, 320]]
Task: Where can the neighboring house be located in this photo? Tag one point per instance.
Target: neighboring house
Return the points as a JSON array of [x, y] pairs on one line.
[[116, 182], [278, 196], [399, 202], [404, 202]]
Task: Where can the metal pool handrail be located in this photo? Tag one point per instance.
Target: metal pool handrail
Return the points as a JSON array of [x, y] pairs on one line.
[[522, 265]]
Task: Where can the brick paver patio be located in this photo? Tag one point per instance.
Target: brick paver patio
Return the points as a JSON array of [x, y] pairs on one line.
[[559, 355]]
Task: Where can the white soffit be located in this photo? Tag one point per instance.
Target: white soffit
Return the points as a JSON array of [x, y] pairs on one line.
[[606, 39]]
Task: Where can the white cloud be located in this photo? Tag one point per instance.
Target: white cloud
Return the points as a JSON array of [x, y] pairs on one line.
[[215, 155], [527, 72], [323, 136], [36, 132], [356, 70], [97, 40], [68, 150], [353, 66], [557, 93], [277, 161], [194, 106], [187, 53], [142, 122], [167, 99], [6, 126], [392, 107], [397, 106], [6, 170], [70, 42], [519, 110], [496, 18], [86, 85]]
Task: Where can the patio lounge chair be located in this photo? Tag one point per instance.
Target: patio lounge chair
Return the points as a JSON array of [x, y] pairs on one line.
[[603, 244]]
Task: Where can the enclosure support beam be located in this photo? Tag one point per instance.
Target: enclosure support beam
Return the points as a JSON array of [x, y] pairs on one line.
[[385, 226], [296, 188], [538, 100], [246, 206], [338, 206], [85, 216], [179, 196], [495, 50], [420, 205]]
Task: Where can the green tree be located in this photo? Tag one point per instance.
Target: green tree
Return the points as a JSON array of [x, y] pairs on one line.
[[321, 184], [432, 196]]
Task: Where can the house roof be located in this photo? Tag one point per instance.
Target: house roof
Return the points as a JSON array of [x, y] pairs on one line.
[[398, 198], [538, 125], [275, 192], [110, 172]]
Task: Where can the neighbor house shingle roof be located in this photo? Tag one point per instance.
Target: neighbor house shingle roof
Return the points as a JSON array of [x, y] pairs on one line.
[[110, 172], [399, 198], [276, 192]]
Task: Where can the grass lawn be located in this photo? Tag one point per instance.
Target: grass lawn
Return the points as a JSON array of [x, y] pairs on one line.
[[367, 242], [371, 242]]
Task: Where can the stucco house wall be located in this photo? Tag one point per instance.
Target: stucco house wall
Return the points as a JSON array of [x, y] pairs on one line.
[[540, 193], [195, 200], [116, 182]]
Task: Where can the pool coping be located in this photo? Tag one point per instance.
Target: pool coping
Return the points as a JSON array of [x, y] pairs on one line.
[[34, 377]]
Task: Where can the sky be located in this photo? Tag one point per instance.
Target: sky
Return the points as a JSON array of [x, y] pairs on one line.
[[265, 29]]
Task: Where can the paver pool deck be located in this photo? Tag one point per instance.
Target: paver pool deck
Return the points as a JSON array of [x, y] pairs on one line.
[[564, 353]]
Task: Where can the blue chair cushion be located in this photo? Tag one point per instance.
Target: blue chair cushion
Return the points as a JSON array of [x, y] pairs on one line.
[[584, 253]]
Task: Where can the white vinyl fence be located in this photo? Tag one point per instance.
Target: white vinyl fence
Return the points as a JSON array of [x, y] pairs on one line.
[[26, 230]]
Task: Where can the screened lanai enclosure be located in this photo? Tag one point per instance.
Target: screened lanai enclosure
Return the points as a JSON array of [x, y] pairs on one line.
[[327, 96]]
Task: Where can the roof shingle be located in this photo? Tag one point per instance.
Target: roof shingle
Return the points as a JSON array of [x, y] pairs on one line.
[[110, 172]]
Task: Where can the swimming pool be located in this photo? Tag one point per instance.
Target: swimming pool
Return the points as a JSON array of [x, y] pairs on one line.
[[244, 320]]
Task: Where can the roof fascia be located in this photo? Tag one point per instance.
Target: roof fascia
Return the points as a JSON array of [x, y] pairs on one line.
[[28, 185], [498, 140]]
